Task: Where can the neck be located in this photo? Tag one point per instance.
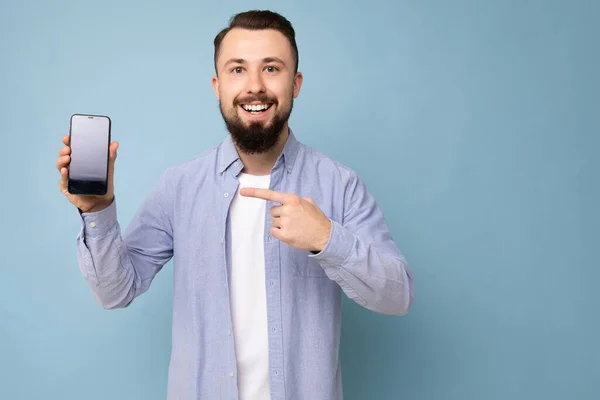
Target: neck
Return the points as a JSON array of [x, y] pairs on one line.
[[262, 164]]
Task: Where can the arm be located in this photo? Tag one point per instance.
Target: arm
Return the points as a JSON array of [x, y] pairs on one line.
[[120, 268], [362, 258]]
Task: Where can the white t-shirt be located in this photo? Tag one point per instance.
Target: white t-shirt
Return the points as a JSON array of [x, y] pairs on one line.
[[248, 296]]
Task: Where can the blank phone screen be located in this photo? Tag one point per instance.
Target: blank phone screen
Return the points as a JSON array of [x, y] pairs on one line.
[[89, 148]]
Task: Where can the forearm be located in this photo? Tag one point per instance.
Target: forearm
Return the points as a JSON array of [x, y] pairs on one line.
[[116, 270], [120, 267], [104, 261], [374, 274]]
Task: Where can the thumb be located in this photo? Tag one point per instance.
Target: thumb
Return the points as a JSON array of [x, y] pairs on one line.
[[113, 150], [112, 157]]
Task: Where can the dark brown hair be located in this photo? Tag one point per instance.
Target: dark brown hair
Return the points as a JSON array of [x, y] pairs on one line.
[[259, 20]]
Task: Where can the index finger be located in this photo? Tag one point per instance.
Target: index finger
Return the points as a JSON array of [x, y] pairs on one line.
[[266, 194]]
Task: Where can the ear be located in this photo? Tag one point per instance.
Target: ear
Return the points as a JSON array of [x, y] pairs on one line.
[[297, 84], [215, 85]]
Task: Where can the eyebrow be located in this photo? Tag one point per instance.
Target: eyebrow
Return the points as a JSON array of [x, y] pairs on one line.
[[265, 60]]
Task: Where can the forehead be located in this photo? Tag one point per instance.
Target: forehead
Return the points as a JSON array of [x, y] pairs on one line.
[[255, 45]]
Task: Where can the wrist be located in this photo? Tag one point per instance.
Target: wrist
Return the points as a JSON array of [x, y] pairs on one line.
[[324, 238], [101, 205]]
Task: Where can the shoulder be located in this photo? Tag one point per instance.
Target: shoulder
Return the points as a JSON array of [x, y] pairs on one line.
[[327, 168], [349, 192], [339, 183], [197, 164], [194, 170]]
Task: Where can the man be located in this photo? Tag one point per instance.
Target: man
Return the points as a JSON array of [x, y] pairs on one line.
[[265, 234]]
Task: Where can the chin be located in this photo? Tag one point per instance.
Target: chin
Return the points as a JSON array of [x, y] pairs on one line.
[[262, 124]]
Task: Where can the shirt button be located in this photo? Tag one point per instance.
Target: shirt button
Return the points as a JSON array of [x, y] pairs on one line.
[[93, 224], [229, 332], [231, 373], [226, 195], [236, 163], [272, 282]]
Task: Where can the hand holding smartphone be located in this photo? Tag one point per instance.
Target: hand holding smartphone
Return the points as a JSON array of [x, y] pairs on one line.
[[86, 162]]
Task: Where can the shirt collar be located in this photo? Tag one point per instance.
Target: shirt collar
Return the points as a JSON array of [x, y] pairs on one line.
[[228, 154]]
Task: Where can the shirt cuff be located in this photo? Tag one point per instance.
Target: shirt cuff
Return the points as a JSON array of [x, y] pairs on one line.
[[338, 248], [97, 224]]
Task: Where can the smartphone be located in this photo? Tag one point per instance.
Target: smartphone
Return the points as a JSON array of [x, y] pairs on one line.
[[89, 141]]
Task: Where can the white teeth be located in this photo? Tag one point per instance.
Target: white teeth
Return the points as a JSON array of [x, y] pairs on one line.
[[255, 107]]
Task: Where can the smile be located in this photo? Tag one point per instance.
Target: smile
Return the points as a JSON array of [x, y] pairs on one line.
[[256, 109]]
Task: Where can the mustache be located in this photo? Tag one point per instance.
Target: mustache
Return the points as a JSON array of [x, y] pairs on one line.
[[263, 98]]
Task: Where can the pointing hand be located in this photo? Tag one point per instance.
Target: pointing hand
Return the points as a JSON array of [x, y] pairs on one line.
[[298, 221]]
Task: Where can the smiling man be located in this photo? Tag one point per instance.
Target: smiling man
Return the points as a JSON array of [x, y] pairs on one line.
[[265, 233], [256, 61]]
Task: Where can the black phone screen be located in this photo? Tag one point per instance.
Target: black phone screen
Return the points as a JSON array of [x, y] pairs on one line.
[[89, 142]]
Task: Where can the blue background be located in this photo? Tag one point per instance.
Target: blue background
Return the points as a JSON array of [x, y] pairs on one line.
[[474, 123]]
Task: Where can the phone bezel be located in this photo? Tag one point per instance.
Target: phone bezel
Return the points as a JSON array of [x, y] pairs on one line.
[[85, 187]]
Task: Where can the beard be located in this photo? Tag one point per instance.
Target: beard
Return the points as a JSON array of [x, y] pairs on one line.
[[256, 137]]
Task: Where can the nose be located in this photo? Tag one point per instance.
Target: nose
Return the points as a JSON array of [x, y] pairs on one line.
[[256, 83]]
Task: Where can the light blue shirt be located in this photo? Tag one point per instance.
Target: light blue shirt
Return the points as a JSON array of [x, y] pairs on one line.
[[185, 218]]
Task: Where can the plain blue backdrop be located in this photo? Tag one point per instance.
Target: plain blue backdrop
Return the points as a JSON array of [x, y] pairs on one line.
[[474, 123]]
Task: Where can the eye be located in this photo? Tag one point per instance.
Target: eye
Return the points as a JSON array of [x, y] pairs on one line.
[[237, 70], [271, 68]]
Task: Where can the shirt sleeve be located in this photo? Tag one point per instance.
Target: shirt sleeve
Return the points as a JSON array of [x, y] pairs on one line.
[[117, 267], [362, 257]]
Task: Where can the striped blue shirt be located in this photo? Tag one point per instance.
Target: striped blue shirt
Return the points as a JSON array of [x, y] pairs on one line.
[[185, 219]]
